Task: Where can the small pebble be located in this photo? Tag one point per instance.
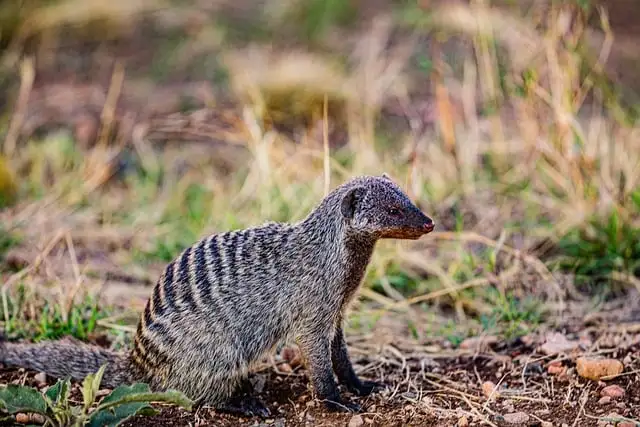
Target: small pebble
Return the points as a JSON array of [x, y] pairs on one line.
[[612, 391], [41, 378], [555, 368], [356, 421], [463, 422], [546, 424], [604, 400], [22, 418], [489, 389], [597, 369], [516, 418]]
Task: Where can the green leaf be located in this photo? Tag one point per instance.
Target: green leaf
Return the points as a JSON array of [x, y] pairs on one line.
[[127, 401], [115, 416], [59, 392], [15, 398], [91, 385]]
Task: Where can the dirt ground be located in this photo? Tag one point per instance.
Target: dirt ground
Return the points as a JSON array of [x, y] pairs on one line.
[[436, 385], [430, 382]]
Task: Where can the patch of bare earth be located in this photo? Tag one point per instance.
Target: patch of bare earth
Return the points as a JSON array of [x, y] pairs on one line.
[[529, 381]]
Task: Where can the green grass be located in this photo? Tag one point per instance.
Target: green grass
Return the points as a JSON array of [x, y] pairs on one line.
[[51, 321], [511, 316], [599, 248]]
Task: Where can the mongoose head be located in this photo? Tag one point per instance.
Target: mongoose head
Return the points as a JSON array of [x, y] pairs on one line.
[[377, 207]]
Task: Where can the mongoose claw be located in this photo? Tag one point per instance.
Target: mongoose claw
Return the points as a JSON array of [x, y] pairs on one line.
[[365, 388], [342, 406], [245, 406]]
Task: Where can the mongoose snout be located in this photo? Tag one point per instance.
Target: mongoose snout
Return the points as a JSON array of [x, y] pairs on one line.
[[228, 300]]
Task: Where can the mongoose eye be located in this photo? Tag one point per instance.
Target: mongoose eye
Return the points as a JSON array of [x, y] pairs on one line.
[[394, 212]]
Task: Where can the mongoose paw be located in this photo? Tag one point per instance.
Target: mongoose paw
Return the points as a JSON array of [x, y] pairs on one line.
[[245, 406], [342, 406], [365, 388]]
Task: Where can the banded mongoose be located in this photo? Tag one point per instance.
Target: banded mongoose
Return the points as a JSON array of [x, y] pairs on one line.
[[231, 298]]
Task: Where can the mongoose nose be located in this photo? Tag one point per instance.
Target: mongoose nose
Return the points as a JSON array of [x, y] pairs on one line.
[[429, 226]]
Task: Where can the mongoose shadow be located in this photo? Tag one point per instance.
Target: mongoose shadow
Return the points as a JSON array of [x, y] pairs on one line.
[[227, 301]]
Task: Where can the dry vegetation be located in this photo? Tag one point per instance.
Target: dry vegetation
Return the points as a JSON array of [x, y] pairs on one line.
[[131, 128]]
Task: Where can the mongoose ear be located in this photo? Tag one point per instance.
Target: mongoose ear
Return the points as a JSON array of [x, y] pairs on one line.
[[350, 201]]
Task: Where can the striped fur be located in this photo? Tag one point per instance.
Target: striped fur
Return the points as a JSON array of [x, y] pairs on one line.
[[227, 301]]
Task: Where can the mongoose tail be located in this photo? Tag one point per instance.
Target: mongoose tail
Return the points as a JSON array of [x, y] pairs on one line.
[[67, 357]]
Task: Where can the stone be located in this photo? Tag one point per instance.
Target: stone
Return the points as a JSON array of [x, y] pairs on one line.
[[356, 421], [516, 418], [598, 369], [612, 391]]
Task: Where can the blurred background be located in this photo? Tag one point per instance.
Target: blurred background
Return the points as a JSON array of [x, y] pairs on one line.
[[131, 128]]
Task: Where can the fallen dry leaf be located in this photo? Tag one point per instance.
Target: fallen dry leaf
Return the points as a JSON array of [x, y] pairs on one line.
[[557, 343]]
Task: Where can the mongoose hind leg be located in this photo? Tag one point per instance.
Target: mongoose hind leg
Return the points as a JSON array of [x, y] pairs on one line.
[[316, 350], [344, 369]]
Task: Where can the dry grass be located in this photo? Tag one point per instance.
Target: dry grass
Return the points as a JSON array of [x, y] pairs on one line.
[[542, 158]]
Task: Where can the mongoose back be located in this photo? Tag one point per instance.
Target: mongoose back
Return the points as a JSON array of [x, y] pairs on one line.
[[231, 298]]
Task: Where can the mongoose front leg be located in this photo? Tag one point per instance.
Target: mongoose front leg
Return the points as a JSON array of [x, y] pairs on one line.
[[243, 403], [344, 369], [316, 349]]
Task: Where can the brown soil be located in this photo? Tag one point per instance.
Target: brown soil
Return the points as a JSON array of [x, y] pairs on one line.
[[438, 389]]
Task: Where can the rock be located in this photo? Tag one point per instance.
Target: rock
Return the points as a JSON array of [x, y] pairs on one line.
[[516, 418], [557, 343], [285, 368], [604, 400], [598, 369], [556, 368], [489, 389], [508, 406], [626, 424], [546, 424], [612, 391], [463, 422], [41, 378], [22, 418], [356, 421]]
